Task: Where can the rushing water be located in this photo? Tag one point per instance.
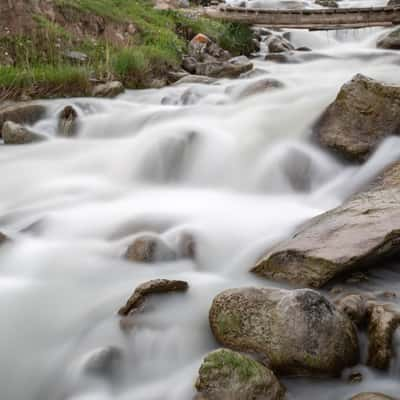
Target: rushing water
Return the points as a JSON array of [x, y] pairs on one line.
[[237, 174]]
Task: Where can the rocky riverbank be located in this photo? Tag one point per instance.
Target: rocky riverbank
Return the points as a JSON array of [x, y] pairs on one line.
[[67, 48]]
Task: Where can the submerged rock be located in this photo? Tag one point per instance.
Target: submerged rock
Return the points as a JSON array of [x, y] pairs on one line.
[[13, 133], [364, 112], [262, 321], [146, 289], [22, 113], [104, 362], [371, 396], [225, 374], [149, 248], [68, 122], [108, 89], [3, 238], [359, 233], [257, 87], [383, 321]]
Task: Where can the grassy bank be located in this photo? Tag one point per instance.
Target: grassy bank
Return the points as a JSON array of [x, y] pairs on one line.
[[38, 67]]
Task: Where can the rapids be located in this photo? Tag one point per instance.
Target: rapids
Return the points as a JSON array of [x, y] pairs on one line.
[[237, 174]]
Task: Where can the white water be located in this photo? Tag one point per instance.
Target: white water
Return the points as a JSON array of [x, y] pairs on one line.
[[237, 175]]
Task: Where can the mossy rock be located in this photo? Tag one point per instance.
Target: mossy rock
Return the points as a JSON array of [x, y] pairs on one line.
[[226, 374], [296, 332]]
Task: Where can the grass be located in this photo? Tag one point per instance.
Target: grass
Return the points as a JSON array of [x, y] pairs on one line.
[[157, 47]]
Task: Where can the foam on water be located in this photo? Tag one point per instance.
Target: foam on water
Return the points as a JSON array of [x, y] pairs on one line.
[[236, 174]]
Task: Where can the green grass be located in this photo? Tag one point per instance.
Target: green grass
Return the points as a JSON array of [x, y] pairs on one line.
[[155, 49]]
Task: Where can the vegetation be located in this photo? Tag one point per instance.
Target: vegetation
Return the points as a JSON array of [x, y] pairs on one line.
[[38, 65]]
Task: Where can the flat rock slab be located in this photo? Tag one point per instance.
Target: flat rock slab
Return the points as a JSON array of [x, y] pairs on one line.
[[355, 235], [146, 289], [364, 112]]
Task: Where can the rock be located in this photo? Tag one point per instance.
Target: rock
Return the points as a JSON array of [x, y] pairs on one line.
[[362, 231], [149, 248], [257, 87], [104, 362], [383, 321], [262, 321], [13, 133], [225, 374], [22, 113], [327, 3], [175, 76], [191, 79], [76, 56], [390, 40], [68, 121], [278, 44], [189, 64], [222, 69], [393, 3], [354, 306], [109, 89], [146, 289], [364, 112], [283, 58], [371, 396], [202, 49]]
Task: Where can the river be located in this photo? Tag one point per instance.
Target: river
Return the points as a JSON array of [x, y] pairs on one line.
[[236, 174]]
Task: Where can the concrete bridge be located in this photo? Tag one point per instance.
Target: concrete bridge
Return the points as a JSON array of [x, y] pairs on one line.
[[312, 19]]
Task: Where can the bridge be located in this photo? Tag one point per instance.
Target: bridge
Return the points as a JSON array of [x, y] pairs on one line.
[[311, 19]]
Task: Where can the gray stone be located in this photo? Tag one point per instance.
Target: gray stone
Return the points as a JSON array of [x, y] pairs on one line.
[[298, 332], [364, 112], [68, 122], [360, 233], [13, 133], [390, 40], [109, 89], [225, 374], [22, 113]]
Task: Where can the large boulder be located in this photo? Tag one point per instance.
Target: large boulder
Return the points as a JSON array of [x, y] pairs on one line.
[[203, 49], [390, 40], [361, 232], [364, 112], [22, 113], [225, 374], [371, 396], [13, 133], [298, 332]]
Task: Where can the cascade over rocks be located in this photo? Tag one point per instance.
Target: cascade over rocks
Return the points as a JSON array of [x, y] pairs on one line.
[[364, 112], [363, 230], [390, 40], [262, 321], [225, 374], [13, 133]]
